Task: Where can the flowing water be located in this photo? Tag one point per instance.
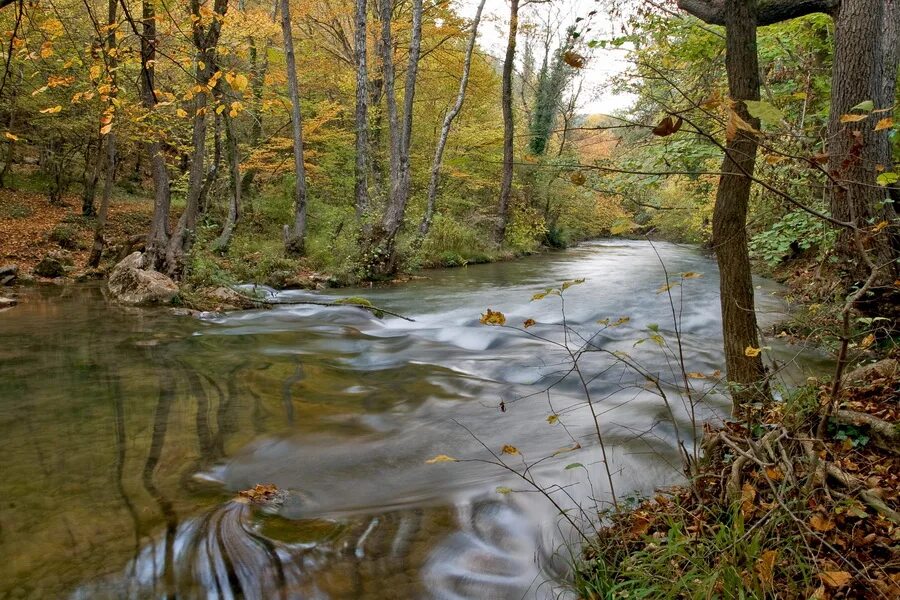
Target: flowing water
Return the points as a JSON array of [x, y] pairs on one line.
[[126, 434]]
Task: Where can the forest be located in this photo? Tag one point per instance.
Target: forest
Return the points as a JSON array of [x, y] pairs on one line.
[[219, 156]]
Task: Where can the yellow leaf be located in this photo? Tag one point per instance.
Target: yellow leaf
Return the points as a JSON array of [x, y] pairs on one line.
[[52, 110], [835, 579], [511, 450], [666, 288], [240, 83], [492, 317], [852, 118], [106, 129], [552, 419], [765, 567], [46, 50], [748, 495], [751, 352], [181, 112], [867, 341], [440, 458], [503, 490], [220, 109], [880, 226], [95, 71], [695, 375], [40, 90], [691, 275], [12, 137], [201, 65], [885, 123], [820, 522], [567, 284]]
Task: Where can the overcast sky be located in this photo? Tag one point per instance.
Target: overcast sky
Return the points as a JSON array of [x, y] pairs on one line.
[[596, 97]]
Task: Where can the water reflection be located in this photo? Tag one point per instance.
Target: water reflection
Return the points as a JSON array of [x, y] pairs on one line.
[[126, 434]]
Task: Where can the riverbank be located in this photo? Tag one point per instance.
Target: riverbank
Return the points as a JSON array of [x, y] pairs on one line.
[[800, 500]]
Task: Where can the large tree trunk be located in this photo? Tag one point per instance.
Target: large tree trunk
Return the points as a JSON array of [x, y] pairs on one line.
[[90, 178], [103, 214], [508, 123], [448, 121], [158, 239], [745, 373], [234, 170], [205, 41], [362, 111], [382, 244], [294, 236], [865, 69]]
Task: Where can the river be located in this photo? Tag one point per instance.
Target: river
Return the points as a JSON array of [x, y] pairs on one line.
[[125, 434]]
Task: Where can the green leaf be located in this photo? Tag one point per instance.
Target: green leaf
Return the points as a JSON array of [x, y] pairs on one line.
[[764, 111], [865, 106], [503, 490], [574, 466], [567, 284], [888, 178]]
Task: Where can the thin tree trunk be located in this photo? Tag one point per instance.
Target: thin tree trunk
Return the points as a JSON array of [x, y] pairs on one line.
[[745, 372], [861, 73], [401, 137], [234, 204], [103, 214], [158, 238], [91, 177], [294, 236], [205, 41], [448, 121], [362, 111], [258, 68], [508, 123]]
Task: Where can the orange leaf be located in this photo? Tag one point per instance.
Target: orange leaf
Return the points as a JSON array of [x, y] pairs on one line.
[[820, 522], [835, 579], [765, 567], [511, 450], [885, 123]]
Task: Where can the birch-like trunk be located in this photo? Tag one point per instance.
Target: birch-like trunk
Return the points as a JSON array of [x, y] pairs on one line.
[[448, 122], [362, 111], [294, 235]]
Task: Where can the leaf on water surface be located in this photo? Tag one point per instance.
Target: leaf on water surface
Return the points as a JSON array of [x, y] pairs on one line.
[[574, 466], [696, 375], [508, 449], [529, 323], [440, 458], [666, 288], [503, 490], [493, 317], [691, 275], [552, 419]]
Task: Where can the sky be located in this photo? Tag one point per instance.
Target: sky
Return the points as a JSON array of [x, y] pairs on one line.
[[492, 34]]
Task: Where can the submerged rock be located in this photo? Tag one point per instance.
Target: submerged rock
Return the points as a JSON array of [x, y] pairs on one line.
[[130, 283], [7, 302]]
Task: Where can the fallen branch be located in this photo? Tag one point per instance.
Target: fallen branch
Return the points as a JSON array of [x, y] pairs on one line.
[[884, 434], [871, 497]]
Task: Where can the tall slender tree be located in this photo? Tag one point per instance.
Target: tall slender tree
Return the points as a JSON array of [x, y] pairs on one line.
[[361, 184], [294, 235], [508, 120], [448, 122]]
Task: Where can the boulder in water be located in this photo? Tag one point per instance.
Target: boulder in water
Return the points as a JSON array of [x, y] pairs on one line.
[[7, 302], [8, 274], [51, 266], [131, 283]]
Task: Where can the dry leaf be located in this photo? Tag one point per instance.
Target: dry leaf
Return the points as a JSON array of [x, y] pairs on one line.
[[440, 458], [511, 450], [885, 123], [867, 341], [765, 568], [748, 495], [835, 579], [752, 352], [493, 317], [852, 118], [820, 522]]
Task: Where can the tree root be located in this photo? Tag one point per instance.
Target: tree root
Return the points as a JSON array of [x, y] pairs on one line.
[[883, 434]]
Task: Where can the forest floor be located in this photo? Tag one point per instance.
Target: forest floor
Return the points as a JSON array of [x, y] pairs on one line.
[[800, 500]]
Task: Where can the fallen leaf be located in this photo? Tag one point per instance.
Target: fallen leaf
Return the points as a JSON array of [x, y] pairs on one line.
[[765, 568], [552, 419], [820, 522], [440, 458], [511, 450], [867, 341], [835, 579], [748, 495]]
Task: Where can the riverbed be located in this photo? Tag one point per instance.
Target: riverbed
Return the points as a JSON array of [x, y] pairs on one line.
[[126, 434]]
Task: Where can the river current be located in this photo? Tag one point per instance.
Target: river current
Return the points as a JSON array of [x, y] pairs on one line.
[[126, 434]]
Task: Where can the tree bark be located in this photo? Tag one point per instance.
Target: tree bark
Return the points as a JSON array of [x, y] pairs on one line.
[[361, 187], [103, 214], [448, 121], [234, 170], [508, 123], [294, 236], [768, 12], [205, 41], [729, 229], [865, 69], [91, 177], [158, 238]]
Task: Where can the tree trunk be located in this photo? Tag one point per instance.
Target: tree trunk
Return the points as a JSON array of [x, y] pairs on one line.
[[158, 238], [448, 121], [745, 373], [91, 177], [205, 41], [258, 68], [103, 214], [234, 204], [294, 236], [362, 111], [508, 123], [865, 69]]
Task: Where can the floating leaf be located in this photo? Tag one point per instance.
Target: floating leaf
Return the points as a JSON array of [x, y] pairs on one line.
[[752, 352], [440, 458], [574, 466], [493, 317], [511, 450], [503, 490], [666, 288], [529, 323], [695, 375], [552, 419], [835, 579], [691, 275]]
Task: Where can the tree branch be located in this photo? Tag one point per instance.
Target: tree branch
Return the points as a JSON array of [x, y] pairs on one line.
[[770, 11]]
